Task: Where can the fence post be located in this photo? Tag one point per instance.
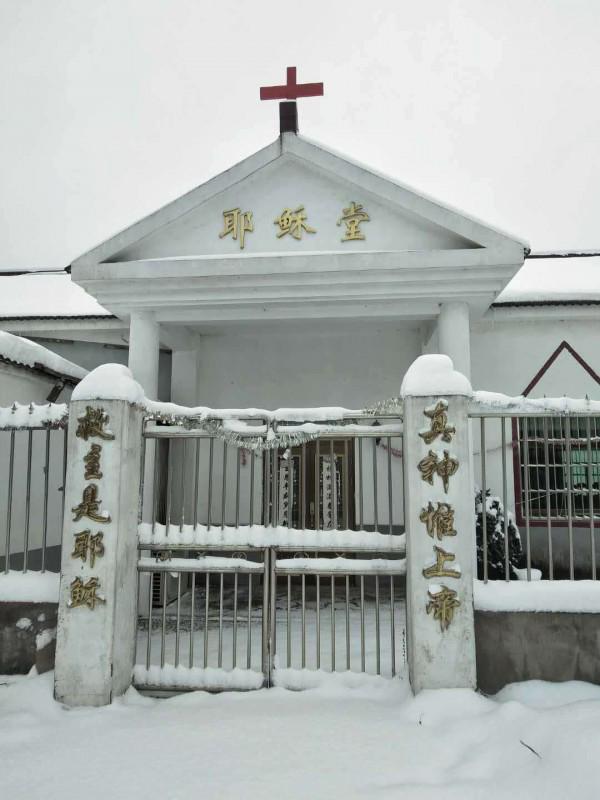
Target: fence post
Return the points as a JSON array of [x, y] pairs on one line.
[[96, 634], [440, 525]]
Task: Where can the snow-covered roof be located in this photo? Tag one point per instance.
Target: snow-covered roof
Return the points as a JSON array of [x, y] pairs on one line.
[[554, 280], [45, 295], [25, 353]]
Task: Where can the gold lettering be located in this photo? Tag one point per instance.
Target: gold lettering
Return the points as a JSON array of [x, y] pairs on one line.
[[293, 222]]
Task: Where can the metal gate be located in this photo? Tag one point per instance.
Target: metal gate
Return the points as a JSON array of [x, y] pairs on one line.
[[265, 564]]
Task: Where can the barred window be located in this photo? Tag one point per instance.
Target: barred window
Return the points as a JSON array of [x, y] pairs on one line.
[[559, 467]]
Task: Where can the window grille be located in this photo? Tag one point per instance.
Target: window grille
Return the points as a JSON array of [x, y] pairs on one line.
[[559, 459]]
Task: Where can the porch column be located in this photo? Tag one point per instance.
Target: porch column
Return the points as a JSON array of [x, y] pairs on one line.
[[144, 349], [184, 392], [454, 335]]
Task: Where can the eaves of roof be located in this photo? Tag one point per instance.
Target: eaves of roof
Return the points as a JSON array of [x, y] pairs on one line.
[[59, 316], [40, 369], [542, 303]]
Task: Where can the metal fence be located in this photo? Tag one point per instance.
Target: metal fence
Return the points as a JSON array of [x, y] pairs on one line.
[[33, 441], [281, 555], [542, 469]]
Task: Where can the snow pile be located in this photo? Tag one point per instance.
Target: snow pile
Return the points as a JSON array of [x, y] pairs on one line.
[[43, 295], [346, 566], [261, 536], [51, 415], [541, 694], [109, 382], [573, 596], [542, 279], [31, 354], [370, 741], [198, 678], [434, 374], [491, 402], [202, 564], [29, 587], [302, 679], [44, 638], [313, 414]]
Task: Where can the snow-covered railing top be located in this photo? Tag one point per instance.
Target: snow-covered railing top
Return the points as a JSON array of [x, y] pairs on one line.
[[494, 404], [24, 417]]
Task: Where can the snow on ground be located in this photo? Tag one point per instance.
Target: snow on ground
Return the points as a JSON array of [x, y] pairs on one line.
[[535, 740]]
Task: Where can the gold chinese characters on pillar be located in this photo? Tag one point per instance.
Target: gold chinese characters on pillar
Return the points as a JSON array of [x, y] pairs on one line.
[[438, 521], [439, 424], [439, 518], [85, 594], [92, 463], [439, 568], [92, 424], [90, 506], [88, 546], [442, 603], [432, 465]]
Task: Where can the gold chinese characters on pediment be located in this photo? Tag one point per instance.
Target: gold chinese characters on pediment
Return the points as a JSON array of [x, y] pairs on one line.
[[293, 221]]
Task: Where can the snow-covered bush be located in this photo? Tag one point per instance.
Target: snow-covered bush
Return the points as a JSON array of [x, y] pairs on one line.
[[494, 516]]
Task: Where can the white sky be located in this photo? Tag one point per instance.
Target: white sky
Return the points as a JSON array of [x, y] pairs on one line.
[[111, 108]]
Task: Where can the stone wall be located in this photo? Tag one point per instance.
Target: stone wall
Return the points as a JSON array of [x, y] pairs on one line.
[[525, 645]]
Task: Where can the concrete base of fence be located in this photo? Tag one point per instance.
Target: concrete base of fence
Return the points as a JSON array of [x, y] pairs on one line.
[[27, 637], [526, 645]]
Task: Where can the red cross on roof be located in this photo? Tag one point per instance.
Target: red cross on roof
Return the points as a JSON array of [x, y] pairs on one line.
[[291, 90]]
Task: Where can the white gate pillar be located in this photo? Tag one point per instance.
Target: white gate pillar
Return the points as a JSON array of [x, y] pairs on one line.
[[440, 526], [95, 645]]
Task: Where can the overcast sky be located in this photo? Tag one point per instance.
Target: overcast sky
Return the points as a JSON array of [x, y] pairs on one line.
[[111, 108]]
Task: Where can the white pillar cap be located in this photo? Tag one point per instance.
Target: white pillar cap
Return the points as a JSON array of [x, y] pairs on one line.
[[434, 374]]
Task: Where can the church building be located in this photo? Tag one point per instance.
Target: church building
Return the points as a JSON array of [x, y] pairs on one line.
[[300, 278]]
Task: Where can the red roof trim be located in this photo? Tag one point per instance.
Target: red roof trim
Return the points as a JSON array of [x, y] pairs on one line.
[[564, 345]]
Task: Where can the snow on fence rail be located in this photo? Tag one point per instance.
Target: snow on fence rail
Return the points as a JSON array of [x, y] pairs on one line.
[[540, 457], [32, 476]]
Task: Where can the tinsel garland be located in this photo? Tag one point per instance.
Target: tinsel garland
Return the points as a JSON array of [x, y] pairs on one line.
[[273, 440], [258, 444], [392, 405]]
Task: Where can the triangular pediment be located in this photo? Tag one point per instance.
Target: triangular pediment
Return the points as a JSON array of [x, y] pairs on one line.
[[289, 174], [182, 264], [290, 183]]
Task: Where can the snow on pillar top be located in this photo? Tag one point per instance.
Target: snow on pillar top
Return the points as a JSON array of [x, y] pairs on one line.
[[434, 374], [109, 382]]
